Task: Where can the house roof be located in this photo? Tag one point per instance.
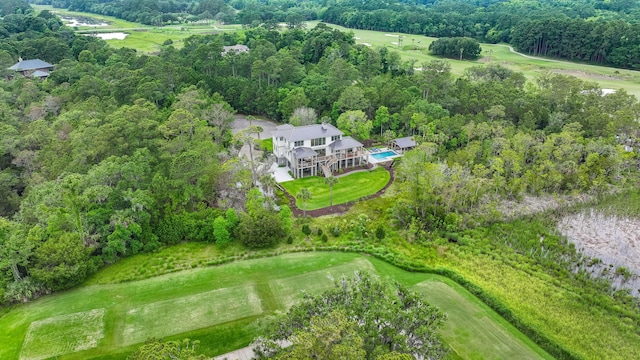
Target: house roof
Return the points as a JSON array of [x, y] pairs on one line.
[[405, 142], [297, 133], [25, 65], [304, 152], [39, 73], [235, 48], [346, 142]]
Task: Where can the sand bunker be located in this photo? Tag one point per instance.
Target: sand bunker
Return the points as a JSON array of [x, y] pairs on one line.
[[586, 75]]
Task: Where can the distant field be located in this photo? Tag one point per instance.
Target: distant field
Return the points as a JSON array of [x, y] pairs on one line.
[[416, 47], [149, 39], [221, 307], [141, 37]]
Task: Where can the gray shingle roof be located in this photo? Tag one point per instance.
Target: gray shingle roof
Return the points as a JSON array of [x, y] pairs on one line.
[[346, 142], [30, 65], [39, 73], [297, 133], [304, 152], [405, 142]]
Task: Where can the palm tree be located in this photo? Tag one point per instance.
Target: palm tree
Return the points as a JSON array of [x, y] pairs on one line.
[[331, 180], [268, 183], [304, 195]]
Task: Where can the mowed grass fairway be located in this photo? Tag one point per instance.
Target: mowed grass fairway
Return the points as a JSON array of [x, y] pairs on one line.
[[221, 307], [349, 188], [416, 47]]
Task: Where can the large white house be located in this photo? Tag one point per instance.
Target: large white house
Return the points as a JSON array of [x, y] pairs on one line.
[[311, 149]]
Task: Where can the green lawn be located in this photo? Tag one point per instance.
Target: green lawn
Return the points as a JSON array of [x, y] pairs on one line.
[[221, 307], [349, 188]]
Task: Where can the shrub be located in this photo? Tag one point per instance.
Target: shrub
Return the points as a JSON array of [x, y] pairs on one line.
[[306, 230], [290, 240], [324, 238], [380, 233], [335, 231], [319, 232]]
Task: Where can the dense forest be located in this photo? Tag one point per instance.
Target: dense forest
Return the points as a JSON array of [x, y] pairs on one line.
[[118, 153]]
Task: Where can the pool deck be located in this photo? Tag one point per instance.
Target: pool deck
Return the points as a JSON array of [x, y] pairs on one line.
[[373, 160]]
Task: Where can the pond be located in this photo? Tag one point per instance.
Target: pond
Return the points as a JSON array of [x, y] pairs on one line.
[[84, 21], [110, 36]]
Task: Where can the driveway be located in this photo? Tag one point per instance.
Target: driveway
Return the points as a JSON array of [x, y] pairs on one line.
[[240, 122]]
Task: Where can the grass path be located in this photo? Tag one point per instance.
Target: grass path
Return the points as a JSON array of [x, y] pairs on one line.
[[221, 307]]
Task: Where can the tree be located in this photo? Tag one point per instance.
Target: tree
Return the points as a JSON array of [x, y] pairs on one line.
[[291, 100], [382, 118], [304, 195], [221, 231], [334, 337], [303, 116], [462, 47], [260, 230], [389, 318], [331, 181], [355, 123], [245, 136]]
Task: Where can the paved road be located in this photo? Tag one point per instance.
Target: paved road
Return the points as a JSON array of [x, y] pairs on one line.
[[535, 57]]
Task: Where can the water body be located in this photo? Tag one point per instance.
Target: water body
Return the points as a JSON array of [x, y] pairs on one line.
[[70, 21], [110, 36]]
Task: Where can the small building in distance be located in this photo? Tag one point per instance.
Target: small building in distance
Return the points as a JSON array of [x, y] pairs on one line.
[[234, 49], [33, 68]]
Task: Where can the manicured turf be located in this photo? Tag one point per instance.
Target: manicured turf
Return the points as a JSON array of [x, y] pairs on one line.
[[220, 306], [472, 326], [349, 188], [63, 334], [205, 309]]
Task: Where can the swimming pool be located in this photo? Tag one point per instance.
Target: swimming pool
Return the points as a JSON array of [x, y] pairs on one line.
[[381, 156]]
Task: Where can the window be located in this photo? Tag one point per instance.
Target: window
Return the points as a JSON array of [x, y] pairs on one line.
[[318, 141], [335, 137], [298, 143]]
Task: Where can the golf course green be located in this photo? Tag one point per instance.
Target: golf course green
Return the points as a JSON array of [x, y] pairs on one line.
[[222, 306]]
